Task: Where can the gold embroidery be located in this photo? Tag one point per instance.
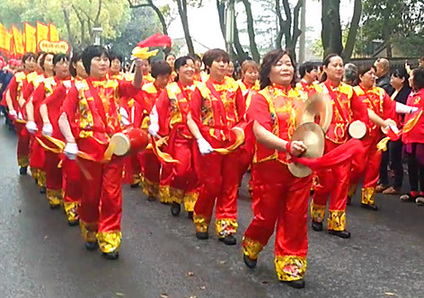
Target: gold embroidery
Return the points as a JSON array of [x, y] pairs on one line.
[[290, 268]]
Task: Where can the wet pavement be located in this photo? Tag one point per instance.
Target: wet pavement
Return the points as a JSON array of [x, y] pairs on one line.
[[160, 256]]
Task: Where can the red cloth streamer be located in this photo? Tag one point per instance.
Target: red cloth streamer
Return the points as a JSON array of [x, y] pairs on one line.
[[335, 157], [156, 40]]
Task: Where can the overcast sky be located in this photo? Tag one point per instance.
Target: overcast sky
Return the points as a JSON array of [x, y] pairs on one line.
[[204, 24]]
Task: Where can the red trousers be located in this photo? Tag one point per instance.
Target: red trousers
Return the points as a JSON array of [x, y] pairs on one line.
[[71, 181], [53, 178], [279, 199], [219, 178], [333, 183], [179, 180], [23, 144], [150, 170], [37, 162]]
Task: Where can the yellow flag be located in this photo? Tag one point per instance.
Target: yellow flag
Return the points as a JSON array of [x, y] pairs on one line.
[[30, 38], [42, 32], [54, 34], [18, 40]]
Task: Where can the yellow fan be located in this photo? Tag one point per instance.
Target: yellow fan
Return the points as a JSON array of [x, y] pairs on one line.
[[143, 53]]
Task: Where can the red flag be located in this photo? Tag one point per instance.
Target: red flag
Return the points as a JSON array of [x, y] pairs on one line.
[[156, 40]]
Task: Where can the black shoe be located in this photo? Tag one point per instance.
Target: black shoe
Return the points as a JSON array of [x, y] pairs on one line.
[[23, 170], [229, 240], [91, 245], [370, 207], [317, 226], [202, 235], [297, 284], [342, 234], [251, 263], [54, 206], [190, 215], [73, 223], [111, 255], [151, 198], [135, 185], [42, 189], [175, 208]]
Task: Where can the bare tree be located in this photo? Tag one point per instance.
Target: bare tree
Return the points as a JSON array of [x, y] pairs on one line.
[[149, 3], [251, 31]]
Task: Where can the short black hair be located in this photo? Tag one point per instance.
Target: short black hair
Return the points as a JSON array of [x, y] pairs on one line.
[[28, 55], [215, 55], [181, 61], [60, 57], [418, 80], [76, 56], [160, 68], [306, 67], [271, 60], [89, 53], [114, 55]]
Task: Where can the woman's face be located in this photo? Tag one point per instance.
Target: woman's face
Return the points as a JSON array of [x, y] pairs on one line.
[[115, 66], [230, 69], [282, 72], [48, 63], [218, 69], [251, 75], [186, 72], [30, 64], [99, 66], [61, 69], [170, 60], [198, 66], [334, 69], [396, 82], [79, 67], [368, 78]]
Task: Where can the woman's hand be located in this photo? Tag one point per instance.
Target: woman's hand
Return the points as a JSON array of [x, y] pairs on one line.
[[297, 148]]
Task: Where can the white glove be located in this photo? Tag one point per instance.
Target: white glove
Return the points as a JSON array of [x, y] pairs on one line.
[[404, 109], [31, 127], [47, 129], [125, 119], [12, 114], [20, 117], [71, 150], [153, 129], [204, 146]]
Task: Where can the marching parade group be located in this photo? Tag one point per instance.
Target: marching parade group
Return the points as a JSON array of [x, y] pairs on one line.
[[187, 134]]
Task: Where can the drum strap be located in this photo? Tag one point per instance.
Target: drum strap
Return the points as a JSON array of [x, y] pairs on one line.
[[335, 97], [98, 102]]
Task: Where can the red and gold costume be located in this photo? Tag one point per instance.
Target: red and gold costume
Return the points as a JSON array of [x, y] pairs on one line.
[[279, 198], [178, 180], [37, 156], [346, 107], [150, 164], [216, 109], [305, 87], [15, 89], [49, 151], [416, 133], [368, 165], [69, 171], [92, 108]]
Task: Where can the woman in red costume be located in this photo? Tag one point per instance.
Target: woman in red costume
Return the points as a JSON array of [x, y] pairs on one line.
[[379, 104], [334, 182], [16, 108], [279, 198], [249, 83], [178, 180], [170, 59], [94, 105], [217, 106], [413, 140], [50, 112], [35, 126]]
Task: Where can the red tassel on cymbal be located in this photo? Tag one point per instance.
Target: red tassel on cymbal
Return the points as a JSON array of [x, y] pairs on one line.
[[156, 40]]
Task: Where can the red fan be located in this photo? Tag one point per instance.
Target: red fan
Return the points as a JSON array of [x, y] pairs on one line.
[[155, 40]]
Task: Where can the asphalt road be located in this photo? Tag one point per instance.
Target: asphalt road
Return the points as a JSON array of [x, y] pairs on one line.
[[160, 257]]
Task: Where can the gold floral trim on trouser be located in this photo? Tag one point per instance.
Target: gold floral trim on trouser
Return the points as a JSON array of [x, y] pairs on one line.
[[71, 209], [149, 188], [136, 179], [290, 268], [34, 173], [225, 227], [175, 195], [164, 193], [368, 195], [336, 220], [317, 212], [109, 241], [23, 161], [88, 231], [54, 196], [201, 223], [190, 200], [41, 178], [251, 248]]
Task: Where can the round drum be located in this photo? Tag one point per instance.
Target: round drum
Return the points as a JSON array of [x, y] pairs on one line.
[[357, 129], [129, 141]]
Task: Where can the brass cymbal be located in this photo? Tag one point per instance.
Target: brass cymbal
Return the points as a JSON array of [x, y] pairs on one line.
[[312, 135], [318, 104]]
